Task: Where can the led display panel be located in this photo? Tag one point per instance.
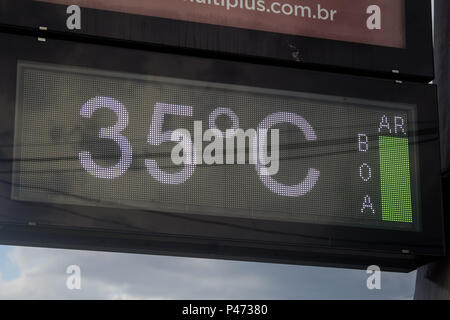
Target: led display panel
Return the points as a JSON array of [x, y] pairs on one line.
[[90, 137]]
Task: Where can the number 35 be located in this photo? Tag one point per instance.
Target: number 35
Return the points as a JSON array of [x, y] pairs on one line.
[[155, 137]]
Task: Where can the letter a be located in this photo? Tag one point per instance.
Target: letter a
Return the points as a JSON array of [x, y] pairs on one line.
[[74, 280], [374, 281], [367, 205], [74, 20], [374, 21]]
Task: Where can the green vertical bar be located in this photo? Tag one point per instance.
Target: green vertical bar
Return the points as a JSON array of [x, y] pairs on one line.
[[395, 179]]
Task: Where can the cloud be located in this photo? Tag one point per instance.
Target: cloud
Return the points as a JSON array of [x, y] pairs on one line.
[[42, 275]]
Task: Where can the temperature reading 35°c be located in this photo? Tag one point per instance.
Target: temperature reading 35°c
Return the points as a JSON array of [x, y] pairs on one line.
[[157, 137]]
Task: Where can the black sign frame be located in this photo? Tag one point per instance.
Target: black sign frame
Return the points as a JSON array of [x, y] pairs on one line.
[[414, 63], [107, 229]]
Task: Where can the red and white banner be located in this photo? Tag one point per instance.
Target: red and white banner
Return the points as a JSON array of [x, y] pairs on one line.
[[374, 22]]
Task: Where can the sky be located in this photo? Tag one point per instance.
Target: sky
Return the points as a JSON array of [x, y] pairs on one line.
[[38, 273]]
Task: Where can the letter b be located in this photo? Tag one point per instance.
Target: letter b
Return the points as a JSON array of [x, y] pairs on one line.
[[363, 142], [322, 13]]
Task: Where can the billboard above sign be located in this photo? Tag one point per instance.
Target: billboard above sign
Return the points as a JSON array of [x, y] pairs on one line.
[[87, 156], [374, 22], [388, 38]]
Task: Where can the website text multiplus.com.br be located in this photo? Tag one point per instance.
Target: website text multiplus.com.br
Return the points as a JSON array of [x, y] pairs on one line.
[[277, 8]]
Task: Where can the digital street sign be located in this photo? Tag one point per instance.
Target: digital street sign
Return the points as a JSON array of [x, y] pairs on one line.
[[87, 156], [389, 38], [91, 137]]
